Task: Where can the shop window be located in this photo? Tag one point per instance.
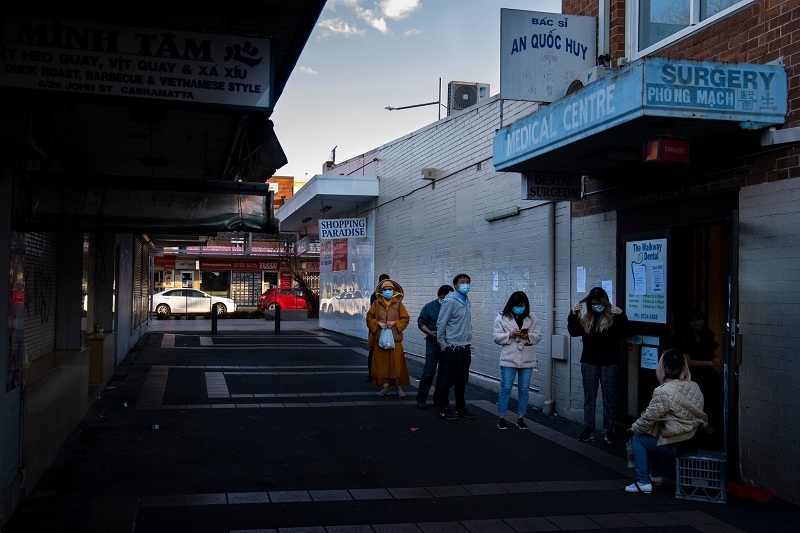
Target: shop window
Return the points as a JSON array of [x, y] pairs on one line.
[[659, 23]]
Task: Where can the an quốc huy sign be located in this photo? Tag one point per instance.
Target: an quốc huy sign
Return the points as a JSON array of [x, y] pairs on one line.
[[103, 59], [342, 228], [551, 187]]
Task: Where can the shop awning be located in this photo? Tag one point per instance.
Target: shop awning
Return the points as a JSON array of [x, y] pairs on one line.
[[603, 126], [326, 196]]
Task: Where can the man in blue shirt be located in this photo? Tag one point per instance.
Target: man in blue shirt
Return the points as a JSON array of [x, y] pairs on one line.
[[454, 335], [427, 323]]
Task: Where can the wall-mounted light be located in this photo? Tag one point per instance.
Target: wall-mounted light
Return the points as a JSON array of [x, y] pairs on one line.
[[325, 209], [502, 213], [306, 220]]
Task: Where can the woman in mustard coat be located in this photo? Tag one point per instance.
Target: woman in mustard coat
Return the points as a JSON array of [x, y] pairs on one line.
[[388, 312]]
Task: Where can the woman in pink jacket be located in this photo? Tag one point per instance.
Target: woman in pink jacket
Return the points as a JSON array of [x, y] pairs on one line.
[[516, 330]]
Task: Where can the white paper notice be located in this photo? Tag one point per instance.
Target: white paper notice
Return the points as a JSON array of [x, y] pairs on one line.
[[608, 286], [581, 275], [649, 357], [639, 279], [657, 273]]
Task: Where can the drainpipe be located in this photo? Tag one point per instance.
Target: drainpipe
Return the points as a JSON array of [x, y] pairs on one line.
[[547, 393]]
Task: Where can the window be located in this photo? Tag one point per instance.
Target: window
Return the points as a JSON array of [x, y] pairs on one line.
[[659, 23]]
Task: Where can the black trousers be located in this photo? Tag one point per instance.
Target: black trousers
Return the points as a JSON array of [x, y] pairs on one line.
[[454, 369]]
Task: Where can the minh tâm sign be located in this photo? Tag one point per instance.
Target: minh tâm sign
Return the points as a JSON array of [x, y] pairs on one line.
[[109, 60]]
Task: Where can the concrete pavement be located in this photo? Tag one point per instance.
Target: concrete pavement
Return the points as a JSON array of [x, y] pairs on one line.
[[249, 431]]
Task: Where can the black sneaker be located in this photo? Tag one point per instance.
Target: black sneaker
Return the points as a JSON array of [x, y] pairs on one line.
[[447, 414], [587, 435], [521, 423], [501, 423], [464, 413], [610, 437]]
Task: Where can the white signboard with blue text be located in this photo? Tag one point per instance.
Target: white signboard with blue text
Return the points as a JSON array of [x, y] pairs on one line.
[[342, 228], [541, 53], [646, 280], [755, 96]]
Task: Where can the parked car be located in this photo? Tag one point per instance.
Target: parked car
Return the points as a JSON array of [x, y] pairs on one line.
[[286, 297], [189, 302]]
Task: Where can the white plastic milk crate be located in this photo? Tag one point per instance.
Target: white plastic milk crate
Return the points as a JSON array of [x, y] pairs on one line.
[[701, 476]]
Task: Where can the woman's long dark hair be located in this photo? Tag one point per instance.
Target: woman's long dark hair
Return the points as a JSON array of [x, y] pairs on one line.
[[515, 300]]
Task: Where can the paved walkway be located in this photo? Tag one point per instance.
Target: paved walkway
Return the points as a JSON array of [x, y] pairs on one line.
[[249, 431]]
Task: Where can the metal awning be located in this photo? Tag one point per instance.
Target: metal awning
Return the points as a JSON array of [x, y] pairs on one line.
[[326, 196], [601, 127]]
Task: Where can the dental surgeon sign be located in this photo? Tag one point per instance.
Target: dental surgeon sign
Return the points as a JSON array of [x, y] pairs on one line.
[[541, 53], [342, 228]]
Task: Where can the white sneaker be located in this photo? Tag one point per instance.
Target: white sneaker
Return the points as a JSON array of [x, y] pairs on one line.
[[383, 392], [644, 488], [657, 480], [400, 392]]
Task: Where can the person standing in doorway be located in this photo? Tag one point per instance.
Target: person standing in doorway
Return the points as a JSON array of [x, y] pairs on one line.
[[705, 362], [427, 324], [388, 312], [601, 328], [516, 330], [454, 335], [372, 297]]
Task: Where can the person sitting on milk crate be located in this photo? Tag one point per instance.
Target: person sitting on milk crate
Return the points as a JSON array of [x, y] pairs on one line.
[[669, 424]]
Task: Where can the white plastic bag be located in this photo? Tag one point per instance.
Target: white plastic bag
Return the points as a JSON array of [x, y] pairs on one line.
[[386, 339]]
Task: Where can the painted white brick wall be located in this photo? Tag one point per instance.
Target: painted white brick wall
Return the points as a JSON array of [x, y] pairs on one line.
[[427, 233], [594, 245], [769, 387]]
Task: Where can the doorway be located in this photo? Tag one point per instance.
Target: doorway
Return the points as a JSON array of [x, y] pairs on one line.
[[701, 281]]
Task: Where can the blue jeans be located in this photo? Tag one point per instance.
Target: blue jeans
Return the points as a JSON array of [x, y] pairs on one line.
[[507, 375], [645, 457], [429, 370], [605, 376]]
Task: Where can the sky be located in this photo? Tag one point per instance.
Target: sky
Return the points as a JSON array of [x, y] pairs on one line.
[[366, 55]]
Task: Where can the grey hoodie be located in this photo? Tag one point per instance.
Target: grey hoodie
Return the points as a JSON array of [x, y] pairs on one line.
[[454, 325]]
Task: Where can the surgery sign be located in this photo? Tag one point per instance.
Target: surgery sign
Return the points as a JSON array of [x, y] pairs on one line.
[[342, 228]]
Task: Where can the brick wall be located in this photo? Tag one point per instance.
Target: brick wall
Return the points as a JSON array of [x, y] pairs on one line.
[[769, 233]]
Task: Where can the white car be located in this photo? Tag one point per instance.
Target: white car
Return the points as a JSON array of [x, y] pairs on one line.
[[189, 302]]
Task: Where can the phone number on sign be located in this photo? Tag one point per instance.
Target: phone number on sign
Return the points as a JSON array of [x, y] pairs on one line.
[[645, 316]]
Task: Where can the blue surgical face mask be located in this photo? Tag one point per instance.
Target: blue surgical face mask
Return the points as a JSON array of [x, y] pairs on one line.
[[463, 288], [441, 300], [518, 310], [388, 293], [598, 308]]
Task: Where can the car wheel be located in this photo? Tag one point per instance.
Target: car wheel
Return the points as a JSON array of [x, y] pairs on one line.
[[221, 309], [162, 310], [271, 307]]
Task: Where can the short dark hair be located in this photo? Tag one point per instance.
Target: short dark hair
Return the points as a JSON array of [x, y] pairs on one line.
[[444, 289], [383, 277], [455, 279]]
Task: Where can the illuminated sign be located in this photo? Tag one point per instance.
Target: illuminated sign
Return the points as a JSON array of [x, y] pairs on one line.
[[755, 96]]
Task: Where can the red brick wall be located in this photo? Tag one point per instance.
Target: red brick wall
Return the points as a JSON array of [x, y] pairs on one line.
[[285, 189]]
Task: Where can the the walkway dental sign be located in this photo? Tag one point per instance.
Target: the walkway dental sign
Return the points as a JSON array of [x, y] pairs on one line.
[[646, 280], [541, 53], [342, 228], [104, 59], [755, 96]]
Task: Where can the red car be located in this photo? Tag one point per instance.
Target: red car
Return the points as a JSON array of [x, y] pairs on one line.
[[287, 298]]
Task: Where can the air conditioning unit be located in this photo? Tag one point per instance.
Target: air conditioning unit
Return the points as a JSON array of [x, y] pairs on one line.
[[462, 94], [587, 77]]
